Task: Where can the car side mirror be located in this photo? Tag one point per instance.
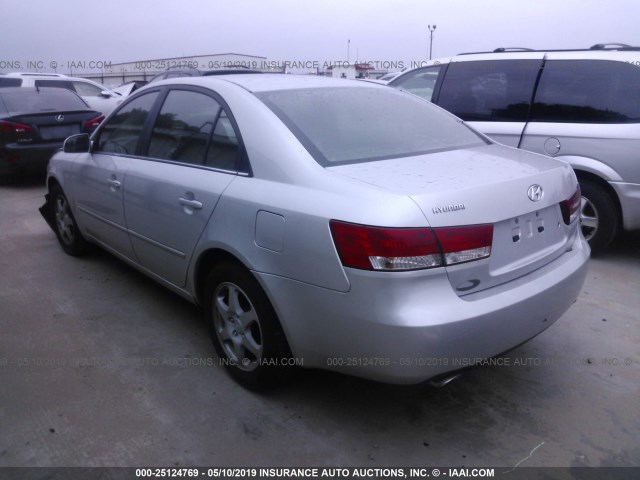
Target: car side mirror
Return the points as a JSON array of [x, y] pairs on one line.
[[105, 93], [77, 144]]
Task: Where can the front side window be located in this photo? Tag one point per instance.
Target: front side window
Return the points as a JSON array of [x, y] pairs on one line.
[[339, 125], [87, 89], [588, 91], [421, 82], [492, 90], [122, 132], [192, 128], [55, 84]]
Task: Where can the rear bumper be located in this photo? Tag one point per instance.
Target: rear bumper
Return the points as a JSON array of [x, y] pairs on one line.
[[629, 195], [27, 158], [409, 327]]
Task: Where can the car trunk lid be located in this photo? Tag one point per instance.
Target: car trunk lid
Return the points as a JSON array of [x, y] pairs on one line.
[[485, 185], [50, 126]]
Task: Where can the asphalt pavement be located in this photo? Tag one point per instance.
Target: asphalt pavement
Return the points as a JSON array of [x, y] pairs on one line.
[[100, 366]]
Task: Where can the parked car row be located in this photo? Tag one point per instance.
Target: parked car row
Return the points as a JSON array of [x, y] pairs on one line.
[[26, 148], [356, 227]]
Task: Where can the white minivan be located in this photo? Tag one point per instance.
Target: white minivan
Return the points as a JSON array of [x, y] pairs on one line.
[[580, 106]]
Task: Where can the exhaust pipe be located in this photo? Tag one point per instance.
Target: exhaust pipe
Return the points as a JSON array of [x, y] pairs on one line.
[[446, 379]]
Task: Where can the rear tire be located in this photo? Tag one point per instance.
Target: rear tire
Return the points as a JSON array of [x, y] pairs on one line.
[[598, 216], [245, 329], [65, 226]]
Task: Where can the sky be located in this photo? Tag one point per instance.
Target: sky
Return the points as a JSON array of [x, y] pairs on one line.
[[301, 30]]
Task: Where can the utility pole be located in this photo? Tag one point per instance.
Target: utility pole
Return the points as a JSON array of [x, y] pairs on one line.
[[348, 48], [432, 29]]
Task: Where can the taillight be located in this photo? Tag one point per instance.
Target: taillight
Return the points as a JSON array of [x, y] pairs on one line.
[[93, 123], [464, 244], [570, 207], [393, 249], [16, 131]]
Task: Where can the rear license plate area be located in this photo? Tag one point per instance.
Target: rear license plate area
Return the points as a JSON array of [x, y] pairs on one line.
[[526, 239], [59, 132]]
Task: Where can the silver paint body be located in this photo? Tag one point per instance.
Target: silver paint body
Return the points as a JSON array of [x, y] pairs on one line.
[[276, 223]]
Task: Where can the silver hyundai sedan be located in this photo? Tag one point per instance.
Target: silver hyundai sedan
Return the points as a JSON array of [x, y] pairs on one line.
[[326, 223]]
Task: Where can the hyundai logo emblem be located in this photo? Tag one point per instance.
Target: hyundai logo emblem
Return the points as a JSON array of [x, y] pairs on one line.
[[535, 193], [59, 118]]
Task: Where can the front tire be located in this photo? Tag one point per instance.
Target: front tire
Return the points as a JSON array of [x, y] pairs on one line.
[[598, 216], [65, 226], [244, 328]]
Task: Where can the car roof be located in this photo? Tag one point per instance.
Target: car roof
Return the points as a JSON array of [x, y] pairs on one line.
[[35, 74], [270, 82], [49, 76], [598, 47]]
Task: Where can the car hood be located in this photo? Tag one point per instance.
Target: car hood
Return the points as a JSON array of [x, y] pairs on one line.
[[469, 186]]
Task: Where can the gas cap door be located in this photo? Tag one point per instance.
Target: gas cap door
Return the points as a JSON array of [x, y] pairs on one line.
[[552, 146]]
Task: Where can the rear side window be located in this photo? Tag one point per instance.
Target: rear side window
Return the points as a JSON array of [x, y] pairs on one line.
[[588, 91], [421, 82], [183, 131], [223, 149], [494, 90], [10, 82], [55, 84], [122, 132]]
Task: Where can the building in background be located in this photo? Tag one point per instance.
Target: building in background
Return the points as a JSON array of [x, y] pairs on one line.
[[112, 74], [354, 70]]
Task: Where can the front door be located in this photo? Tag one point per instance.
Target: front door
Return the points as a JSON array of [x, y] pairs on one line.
[[171, 192], [99, 180]]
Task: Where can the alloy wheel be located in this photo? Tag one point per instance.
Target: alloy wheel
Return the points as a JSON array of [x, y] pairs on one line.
[[588, 218], [237, 326], [64, 221]]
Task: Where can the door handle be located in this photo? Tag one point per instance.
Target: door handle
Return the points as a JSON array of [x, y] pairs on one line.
[[196, 205], [115, 184]]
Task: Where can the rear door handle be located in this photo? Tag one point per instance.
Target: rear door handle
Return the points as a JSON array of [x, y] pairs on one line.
[[196, 205], [114, 184]]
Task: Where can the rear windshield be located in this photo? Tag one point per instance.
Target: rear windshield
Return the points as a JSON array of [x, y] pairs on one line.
[[348, 125], [45, 100]]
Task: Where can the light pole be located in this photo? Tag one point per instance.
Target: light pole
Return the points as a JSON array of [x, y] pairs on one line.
[[348, 48], [431, 30]]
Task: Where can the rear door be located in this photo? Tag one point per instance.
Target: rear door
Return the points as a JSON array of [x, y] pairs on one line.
[[98, 180], [588, 111], [171, 192], [493, 96]]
